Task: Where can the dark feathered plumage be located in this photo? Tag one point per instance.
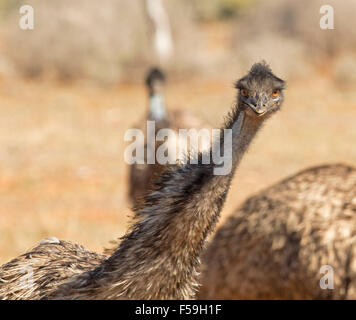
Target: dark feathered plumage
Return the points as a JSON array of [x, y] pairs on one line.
[[273, 246]]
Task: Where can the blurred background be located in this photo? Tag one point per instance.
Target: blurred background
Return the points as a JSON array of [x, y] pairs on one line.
[[71, 87]]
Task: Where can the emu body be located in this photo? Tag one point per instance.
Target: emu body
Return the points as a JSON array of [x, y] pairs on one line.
[[275, 244]]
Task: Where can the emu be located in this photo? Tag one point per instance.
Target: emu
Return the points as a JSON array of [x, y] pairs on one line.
[[275, 244], [159, 256]]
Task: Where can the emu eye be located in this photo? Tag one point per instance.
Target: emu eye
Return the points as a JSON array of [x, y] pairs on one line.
[[275, 93], [244, 93]]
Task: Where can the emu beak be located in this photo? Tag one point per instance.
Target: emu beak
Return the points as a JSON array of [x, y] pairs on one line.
[[259, 110]]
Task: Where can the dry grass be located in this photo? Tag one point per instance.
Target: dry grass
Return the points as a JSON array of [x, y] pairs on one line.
[[113, 42], [81, 39], [287, 33], [61, 158]]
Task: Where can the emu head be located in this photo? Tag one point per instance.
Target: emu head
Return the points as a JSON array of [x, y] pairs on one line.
[[260, 91], [155, 80]]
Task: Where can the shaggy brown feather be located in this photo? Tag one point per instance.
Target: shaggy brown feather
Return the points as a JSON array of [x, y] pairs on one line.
[[273, 246]]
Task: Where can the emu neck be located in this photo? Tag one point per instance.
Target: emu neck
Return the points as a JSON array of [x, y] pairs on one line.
[[159, 257], [244, 129], [157, 109]]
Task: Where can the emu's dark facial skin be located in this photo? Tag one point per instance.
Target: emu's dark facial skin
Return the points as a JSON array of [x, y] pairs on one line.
[[262, 103], [260, 91]]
